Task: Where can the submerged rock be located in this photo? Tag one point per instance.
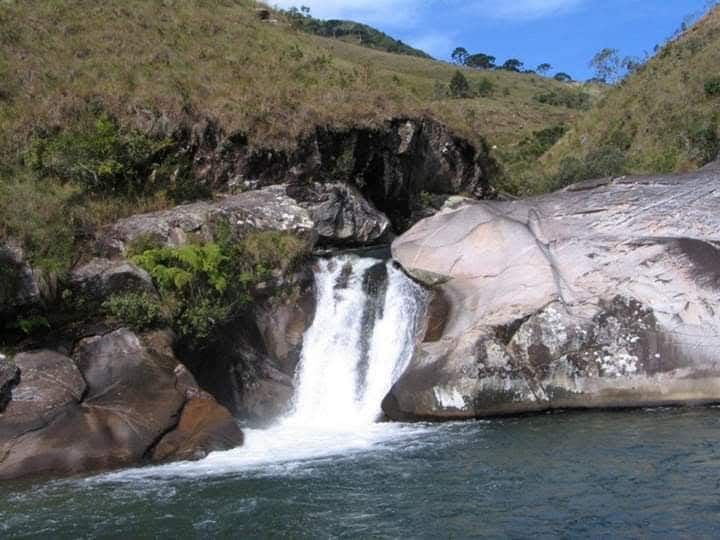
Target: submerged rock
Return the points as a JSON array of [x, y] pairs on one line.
[[105, 407], [605, 296]]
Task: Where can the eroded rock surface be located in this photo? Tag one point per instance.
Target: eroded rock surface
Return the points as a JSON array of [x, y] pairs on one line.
[[604, 295], [262, 210], [106, 406]]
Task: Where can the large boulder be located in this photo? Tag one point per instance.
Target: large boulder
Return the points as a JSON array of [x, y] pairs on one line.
[[261, 210], [604, 295], [106, 406], [99, 279], [341, 214]]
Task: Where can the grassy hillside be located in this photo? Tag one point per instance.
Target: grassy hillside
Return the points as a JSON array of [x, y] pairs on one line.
[[351, 32], [665, 118], [80, 81], [218, 58]]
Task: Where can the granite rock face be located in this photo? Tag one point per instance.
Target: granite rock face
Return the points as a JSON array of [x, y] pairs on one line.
[[107, 405], [606, 294], [391, 165], [262, 210]]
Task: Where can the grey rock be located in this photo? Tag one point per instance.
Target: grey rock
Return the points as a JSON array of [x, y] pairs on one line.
[[260, 210], [341, 214], [99, 279], [602, 295], [19, 288]]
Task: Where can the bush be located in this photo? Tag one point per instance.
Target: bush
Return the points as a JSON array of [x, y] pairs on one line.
[[105, 159], [600, 163], [140, 311], [712, 86], [206, 285], [459, 86], [485, 87], [572, 99]]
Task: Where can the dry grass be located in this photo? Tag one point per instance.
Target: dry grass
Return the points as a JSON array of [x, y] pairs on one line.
[[143, 57], [662, 116]]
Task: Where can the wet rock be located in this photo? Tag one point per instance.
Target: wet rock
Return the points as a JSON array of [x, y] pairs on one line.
[[105, 407], [204, 426], [595, 297]]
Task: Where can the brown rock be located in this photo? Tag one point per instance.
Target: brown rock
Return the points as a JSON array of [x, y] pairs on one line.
[[204, 427]]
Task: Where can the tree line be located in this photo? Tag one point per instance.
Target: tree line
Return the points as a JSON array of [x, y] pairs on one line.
[[461, 56]]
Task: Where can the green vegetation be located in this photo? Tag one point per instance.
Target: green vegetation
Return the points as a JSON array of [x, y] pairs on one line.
[[350, 31], [565, 97], [712, 86], [661, 118], [139, 311], [203, 286]]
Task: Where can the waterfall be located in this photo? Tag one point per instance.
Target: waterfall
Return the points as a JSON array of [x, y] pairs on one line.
[[359, 343]]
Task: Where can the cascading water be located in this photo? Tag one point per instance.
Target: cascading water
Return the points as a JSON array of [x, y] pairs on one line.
[[360, 342]]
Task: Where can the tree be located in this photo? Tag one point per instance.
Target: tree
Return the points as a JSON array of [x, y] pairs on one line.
[[632, 64], [513, 64], [606, 64], [460, 55], [459, 86], [480, 61], [562, 77], [543, 69]]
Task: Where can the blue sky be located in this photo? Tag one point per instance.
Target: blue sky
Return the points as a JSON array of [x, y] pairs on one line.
[[564, 33]]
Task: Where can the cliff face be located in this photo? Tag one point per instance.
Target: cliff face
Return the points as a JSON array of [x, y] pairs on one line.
[[602, 295]]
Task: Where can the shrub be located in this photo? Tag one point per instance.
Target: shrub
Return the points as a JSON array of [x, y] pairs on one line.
[[712, 86], [572, 99], [459, 86], [205, 285], [140, 311], [485, 87], [105, 159]]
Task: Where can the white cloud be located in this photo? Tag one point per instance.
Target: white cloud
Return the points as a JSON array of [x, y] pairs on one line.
[[437, 44]]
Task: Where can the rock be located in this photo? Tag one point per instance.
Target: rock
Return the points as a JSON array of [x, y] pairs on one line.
[[104, 408], [391, 165], [19, 288], [102, 278], [9, 377], [252, 366], [605, 296], [204, 426], [342, 216], [261, 210]]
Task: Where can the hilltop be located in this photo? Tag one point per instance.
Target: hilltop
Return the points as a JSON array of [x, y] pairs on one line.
[[664, 118], [216, 57]]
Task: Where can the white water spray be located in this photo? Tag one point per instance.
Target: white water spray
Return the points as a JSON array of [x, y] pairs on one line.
[[359, 344]]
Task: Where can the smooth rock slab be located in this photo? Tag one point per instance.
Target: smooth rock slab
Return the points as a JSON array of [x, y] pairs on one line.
[[606, 294]]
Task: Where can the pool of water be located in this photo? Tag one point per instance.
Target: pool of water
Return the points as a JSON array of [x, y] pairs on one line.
[[652, 473]]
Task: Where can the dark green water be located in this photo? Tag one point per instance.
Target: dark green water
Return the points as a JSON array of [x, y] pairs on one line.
[[648, 474]]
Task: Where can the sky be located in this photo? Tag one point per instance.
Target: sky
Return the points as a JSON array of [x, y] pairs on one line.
[[563, 33]]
